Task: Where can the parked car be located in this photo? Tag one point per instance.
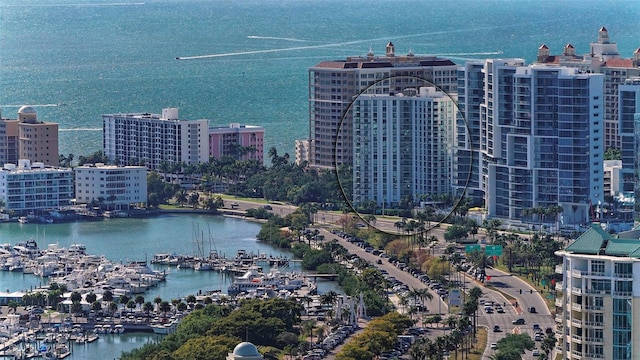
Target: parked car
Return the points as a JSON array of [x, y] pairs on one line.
[[533, 310], [494, 346], [519, 321]]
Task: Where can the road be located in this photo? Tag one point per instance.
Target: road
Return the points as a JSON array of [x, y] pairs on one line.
[[434, 306], [504, 282]]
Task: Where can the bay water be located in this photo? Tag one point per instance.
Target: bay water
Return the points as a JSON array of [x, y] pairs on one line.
[[138, 239], [248, 60]]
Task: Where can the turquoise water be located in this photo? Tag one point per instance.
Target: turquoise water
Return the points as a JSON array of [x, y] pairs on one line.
[[105, 56], [137, 239], [124, 240]]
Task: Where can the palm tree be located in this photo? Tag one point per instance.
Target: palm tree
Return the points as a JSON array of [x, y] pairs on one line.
[[181, 197]]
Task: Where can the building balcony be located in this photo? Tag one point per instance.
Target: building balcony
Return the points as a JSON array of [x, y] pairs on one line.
[[593, 308], [597, 292], [576, 353], [593, 356], [559, 269], [576, 339], [623, 293], [578, 273], [576, 322], [576, 307], [576, 290], [594, 323], [594, 340], [623, 276], [559, 302]]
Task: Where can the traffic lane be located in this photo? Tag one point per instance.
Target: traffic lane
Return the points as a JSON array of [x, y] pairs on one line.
[[403, 276], [512, 285]]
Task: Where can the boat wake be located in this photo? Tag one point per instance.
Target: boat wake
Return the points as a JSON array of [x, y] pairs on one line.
[[36, 105], [78, 4], [81, 129], [275, 38], [499, 52]]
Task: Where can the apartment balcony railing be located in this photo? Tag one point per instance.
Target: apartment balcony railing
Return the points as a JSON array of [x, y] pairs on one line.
[[576, 353], [576, 290], [594, 323], [594, 339], [593, 356], [576, 322], [597, 291]]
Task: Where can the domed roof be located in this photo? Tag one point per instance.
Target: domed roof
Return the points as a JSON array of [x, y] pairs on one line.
[[26, 110], [245, 349]]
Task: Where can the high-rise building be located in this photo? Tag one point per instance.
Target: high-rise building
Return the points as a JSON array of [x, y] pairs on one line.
[[603, 57], [402, 146], [597, 302], [117, 187], [8, 141], [30, 187], [244, 142], [629, 132], [539, 132], [153, 139], [38, 140], [28, 138], [481, 116], [334, 85]]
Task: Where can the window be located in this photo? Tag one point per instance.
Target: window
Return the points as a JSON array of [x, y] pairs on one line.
[[597, 266]]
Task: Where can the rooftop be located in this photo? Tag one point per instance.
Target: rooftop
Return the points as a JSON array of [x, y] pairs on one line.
[[596, 241]]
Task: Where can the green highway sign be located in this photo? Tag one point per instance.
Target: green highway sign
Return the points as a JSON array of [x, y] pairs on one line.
[[472, 248], [493, 250]]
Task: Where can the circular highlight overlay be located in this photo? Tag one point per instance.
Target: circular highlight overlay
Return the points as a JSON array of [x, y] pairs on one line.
[[405, 155]]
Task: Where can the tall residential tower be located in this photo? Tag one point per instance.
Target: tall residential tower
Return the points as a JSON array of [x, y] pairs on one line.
[[535, 140], [334, 85], [151, 139]]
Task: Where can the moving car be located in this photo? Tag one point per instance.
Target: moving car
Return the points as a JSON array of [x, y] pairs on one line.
[[519, 321], [496, 328], [494, 346]]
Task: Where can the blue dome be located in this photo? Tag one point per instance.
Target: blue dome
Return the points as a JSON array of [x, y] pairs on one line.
[[245, 349]]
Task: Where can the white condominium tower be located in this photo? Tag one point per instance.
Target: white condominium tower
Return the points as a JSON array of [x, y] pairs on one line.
[[402, 146], [151, 139], [597, 302], [334, 85], [535, 139]]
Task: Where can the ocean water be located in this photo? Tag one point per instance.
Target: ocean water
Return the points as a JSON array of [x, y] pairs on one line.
[[249, 59]]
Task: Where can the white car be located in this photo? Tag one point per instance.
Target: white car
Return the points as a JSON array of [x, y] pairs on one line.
[[494, 346], [535, 352]]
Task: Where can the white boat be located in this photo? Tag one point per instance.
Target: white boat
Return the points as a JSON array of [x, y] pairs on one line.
[[23, 220], [118, 329]]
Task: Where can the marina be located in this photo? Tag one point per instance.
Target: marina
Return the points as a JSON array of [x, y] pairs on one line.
[[79, 244]]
